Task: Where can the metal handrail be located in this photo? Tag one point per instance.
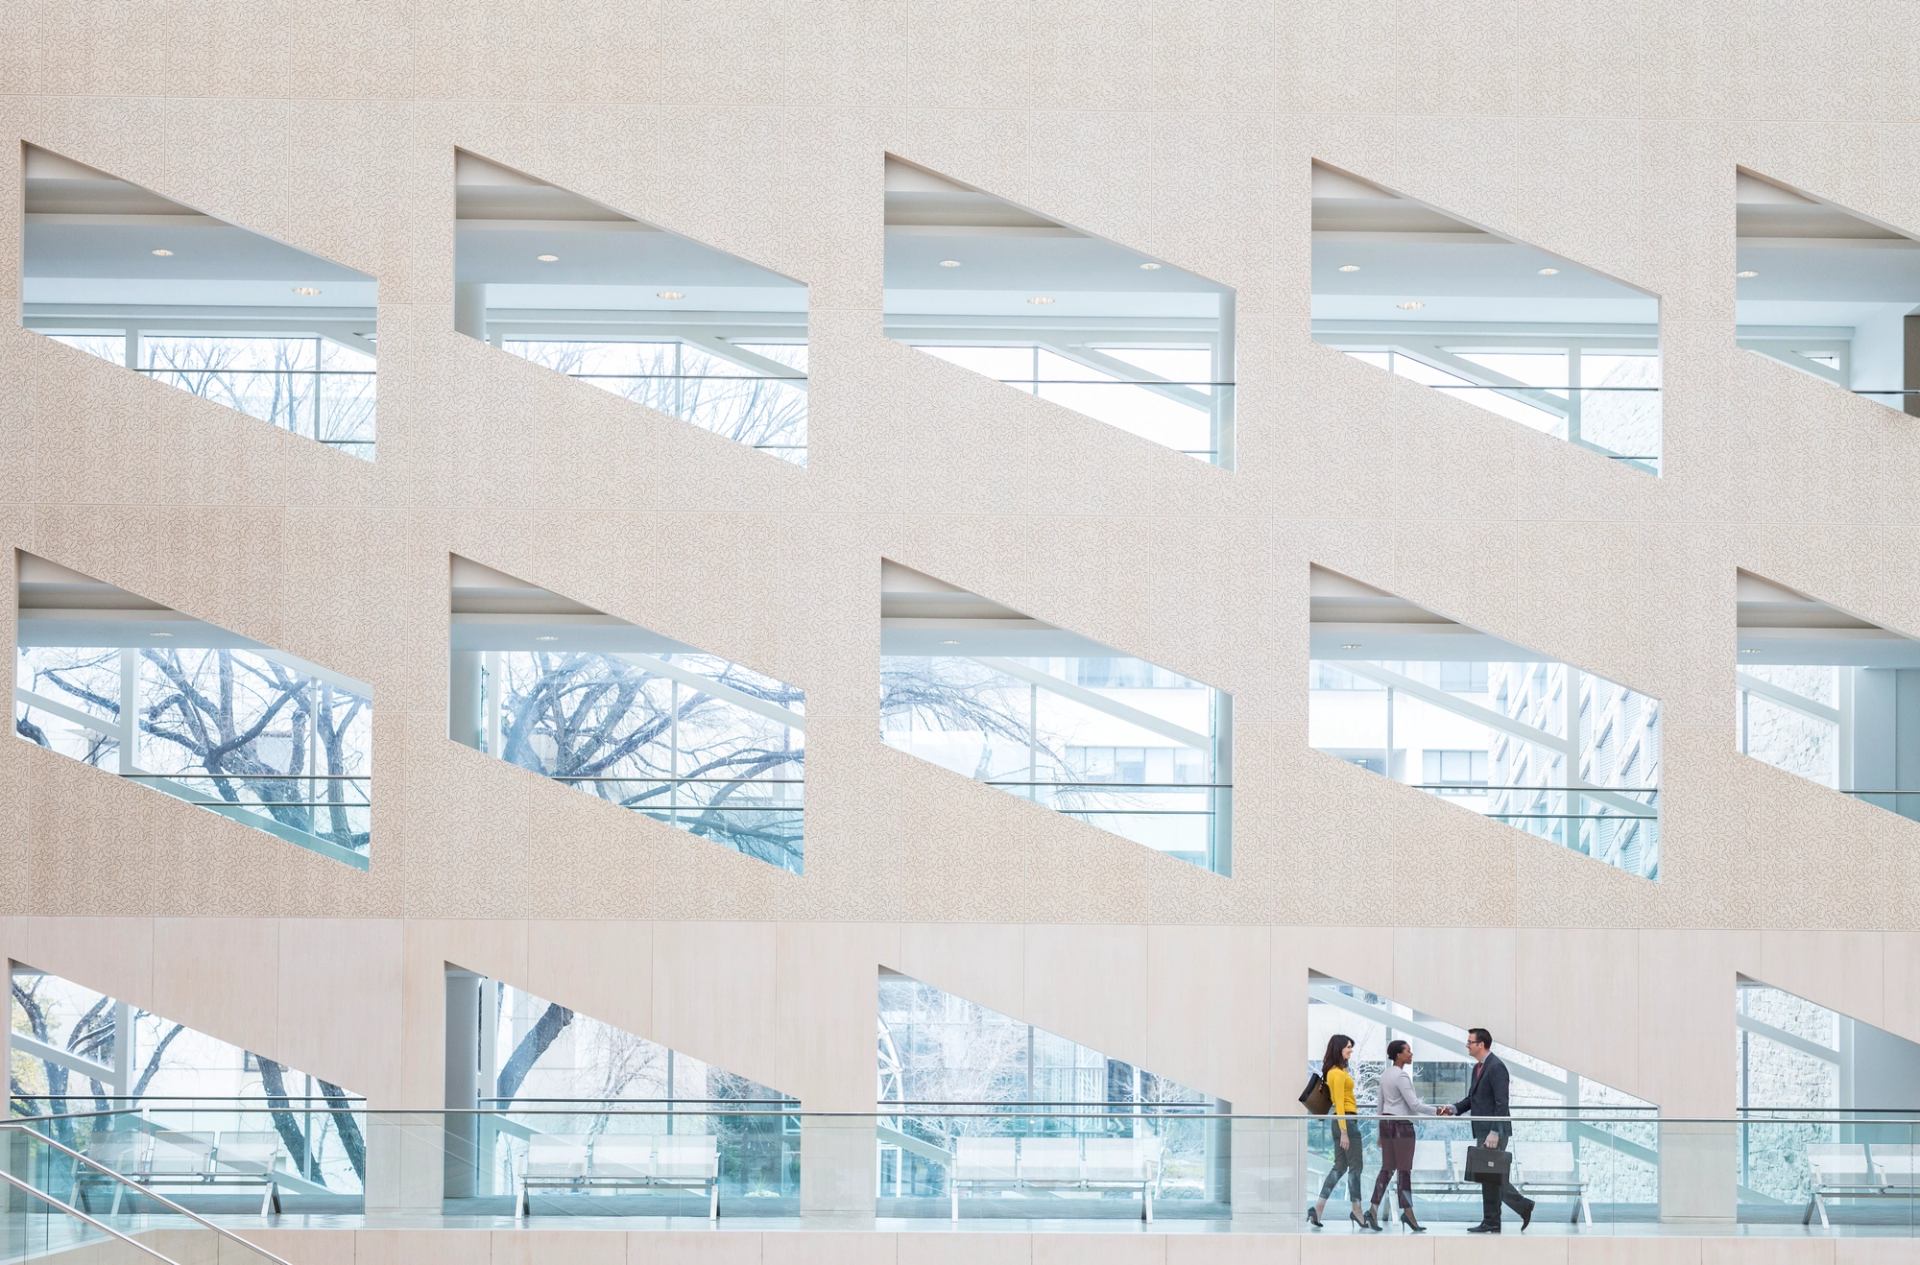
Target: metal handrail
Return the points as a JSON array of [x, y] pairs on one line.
[[1590, 789], [696, 377], [1118, 786], [1090, 1111], [145, 1191], [34, 1191], [682, 781], [258, 777]]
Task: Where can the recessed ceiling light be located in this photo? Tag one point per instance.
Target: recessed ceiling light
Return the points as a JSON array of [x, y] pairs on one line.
[[1411, 305], [306, 292], [1750, 650], [1549, 272], [949, 263], [670, 294], [1349, 267], [163, 252], [548, 259], [546, 637], [158, 633], [1745, 273], [1349, 645], [1041, 299], [949, 643], [1149, 266]]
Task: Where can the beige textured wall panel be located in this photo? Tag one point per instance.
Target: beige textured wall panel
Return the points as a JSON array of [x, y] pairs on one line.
[[1609, 135], [1087, 983], [1842, 971], [340, 981], [716, 996], [1902, 975], [108, 955], [221, 975], [1210, 1012], [1563, 981]]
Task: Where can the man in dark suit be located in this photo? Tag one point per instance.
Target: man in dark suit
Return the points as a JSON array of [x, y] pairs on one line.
[[1487, 1096]]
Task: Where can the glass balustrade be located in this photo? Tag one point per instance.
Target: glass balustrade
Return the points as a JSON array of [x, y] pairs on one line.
[[764, 407], [87, 1196], [246, 733], [314, 388], [1591, 1170]]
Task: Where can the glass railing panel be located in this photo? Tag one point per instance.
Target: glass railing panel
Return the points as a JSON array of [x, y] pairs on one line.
[[214, 1156], [1096, 1160], [241, 732], [681, 1158], [1182, 412], [1839, 1171], [1493, 738], [690, 740], [759, 406], [198, 304], [1114, 741]]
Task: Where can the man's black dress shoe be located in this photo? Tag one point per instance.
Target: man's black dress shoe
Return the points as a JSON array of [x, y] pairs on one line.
[[1483, 1228]]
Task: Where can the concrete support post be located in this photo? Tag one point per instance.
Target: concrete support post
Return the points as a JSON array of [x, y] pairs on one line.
[[837, 1166], [1698, 1164], [1267, 1168]]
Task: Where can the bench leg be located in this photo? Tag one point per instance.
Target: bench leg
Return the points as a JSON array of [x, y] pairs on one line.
[[953, 1188], [713, 1200], [1146, 1203], [523, 1204], [1820, 1206]]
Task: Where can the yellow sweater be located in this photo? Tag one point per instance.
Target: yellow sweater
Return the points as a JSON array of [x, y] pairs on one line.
[[1340, 1089]]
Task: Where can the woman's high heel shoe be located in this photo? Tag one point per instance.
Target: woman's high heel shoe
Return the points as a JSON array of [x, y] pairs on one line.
[[1355, 1218], [1406, 1216], [1313, 1218], [1372, 1222]]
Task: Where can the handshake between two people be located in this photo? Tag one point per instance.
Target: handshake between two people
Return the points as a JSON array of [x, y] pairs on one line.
[[1492, 1139]]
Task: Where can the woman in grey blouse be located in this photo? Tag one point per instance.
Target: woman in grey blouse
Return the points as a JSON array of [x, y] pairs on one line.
[[1400, 1102]]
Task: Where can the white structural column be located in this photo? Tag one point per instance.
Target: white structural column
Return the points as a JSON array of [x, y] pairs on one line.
[[462, 1159], [470, 309], [463, 698]]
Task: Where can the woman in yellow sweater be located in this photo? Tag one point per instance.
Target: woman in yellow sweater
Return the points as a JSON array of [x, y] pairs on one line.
[[1345, 1114]]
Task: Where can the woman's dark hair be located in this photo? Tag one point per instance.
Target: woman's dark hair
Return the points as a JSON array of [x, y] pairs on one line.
[[1394, 1048], [1336, 1053]]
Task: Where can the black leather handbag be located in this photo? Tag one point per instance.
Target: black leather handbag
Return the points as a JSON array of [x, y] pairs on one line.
[[1316, 1097], [1484, 1162]]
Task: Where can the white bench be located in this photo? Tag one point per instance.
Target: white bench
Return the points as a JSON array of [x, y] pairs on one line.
[[1545, 1167], [1056, 1164], [235, 1157], [620, 1161], [1853, 1170]]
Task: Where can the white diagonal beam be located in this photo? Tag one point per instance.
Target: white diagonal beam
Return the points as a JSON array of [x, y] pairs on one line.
[[28, 1045], [1130, 374], [747, 359], [1480, 375], [1081, 694], [719, 689], [1506, 724], [1376, 1013], [1787, 698], [73, 715]]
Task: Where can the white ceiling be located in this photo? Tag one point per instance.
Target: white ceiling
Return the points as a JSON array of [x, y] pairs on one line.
[[90, 237]]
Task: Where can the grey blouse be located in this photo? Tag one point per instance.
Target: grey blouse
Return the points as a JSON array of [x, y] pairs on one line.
[[1398, 1096]]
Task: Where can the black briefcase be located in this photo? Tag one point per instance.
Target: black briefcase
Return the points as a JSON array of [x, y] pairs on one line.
[[1484, 1162]]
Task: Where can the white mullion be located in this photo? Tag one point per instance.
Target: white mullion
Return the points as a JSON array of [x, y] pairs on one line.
[[129, 706]]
